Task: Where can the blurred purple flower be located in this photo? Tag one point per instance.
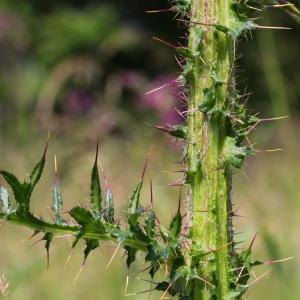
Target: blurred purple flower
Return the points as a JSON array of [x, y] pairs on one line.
[[162, 97], [77, 102]]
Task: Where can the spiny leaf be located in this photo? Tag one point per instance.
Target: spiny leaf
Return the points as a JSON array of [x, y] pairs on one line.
[[187, 53], [150, 224], [48, 239], [16, 186], [22, 192], [36, 173], [182, 6], [84, 218], [90, 246], [131, 255], [96, 197], [209, 100], [81, 215], [234, 154], [135, 198], [176, 223], [134, 209], [178, 131]]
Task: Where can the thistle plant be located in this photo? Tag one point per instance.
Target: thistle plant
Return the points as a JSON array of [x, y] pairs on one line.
[[197, 250]]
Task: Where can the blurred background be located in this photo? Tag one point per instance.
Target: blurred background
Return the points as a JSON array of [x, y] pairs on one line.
[[81, 69]]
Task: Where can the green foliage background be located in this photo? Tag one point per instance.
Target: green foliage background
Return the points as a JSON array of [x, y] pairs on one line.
[[81, 69]]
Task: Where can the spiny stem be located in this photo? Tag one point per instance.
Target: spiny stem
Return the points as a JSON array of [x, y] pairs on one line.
[[210, 190]]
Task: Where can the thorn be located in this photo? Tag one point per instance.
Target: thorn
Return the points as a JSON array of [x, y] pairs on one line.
[[78, 274], [180, 114], [269, 150], [47, 143], [30, 237], [68, 259], [161, 87], [277, 261], [279, 5], [151, 193], [272, 27], [159, 11], [259, 278], [126, 285], [273, 119], [55, 165], [179, 202], [138, 293], [164, 42], [142, 270], [146, 280], [251, 244], [97, 151], [207, 282], [113, 256], [166, 291], [146, 163], [48, 259]]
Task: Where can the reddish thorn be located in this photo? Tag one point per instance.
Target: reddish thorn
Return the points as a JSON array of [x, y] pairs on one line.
[[146, 163], [47, 143], [164, 42], [151, 193], [179, 203], [97, 150], [252, 242], [159, 11]]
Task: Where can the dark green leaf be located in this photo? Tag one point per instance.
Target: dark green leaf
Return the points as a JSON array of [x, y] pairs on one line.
[[96, 197], [36, 174], [48, 239], [150, 224], [135, 198], [209, 100], [81, 215], [131, 255], [90, 246], [16, 186]]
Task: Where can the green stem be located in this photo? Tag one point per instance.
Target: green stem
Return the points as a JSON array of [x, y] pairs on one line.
[[210, 182]]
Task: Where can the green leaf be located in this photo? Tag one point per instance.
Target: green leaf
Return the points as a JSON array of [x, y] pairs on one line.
[[82, 216], [150, 224], [15, 185], [36, 174], [23, 191], [131, 255], [108, 212], [135, 198], [187, 53], [176, 223], [96, 197], [178, 131], [48, 239], [209, 100], [90, 246], [233, 154]]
